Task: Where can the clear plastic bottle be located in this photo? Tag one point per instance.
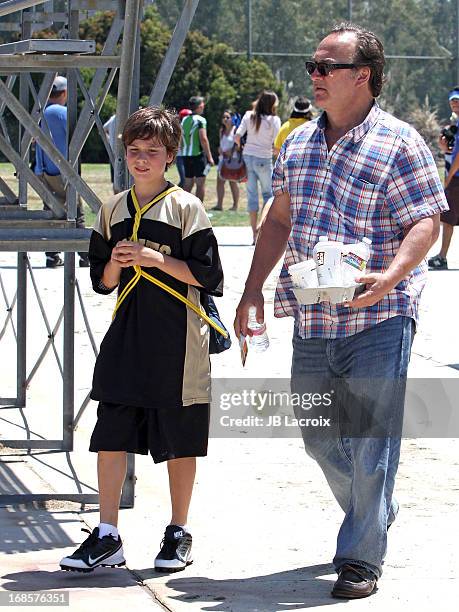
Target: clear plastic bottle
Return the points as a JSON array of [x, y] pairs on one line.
[[259, 341], [355, 259]]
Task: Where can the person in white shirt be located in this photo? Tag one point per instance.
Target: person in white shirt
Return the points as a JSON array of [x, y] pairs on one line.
[[261, 126], [225, 150]]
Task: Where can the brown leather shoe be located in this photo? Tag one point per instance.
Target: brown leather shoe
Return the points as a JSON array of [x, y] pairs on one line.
[[354, 582]]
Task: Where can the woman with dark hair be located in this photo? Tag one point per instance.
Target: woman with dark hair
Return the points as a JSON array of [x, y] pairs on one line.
[[225, 149], [261, 126]]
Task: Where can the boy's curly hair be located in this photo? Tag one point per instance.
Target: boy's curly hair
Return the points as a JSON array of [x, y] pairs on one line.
[[160, 124]]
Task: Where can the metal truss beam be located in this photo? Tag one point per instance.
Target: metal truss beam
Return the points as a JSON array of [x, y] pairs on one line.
[[48, 146], [43, 63], [8, 192], [123, 106], [35, 182], [86, 119], [173, 52], [38, 108], [47, 45], [22, 230], [11, 6], [41, 240]]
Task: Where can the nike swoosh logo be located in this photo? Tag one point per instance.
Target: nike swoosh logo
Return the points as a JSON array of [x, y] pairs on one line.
[[92, 561]]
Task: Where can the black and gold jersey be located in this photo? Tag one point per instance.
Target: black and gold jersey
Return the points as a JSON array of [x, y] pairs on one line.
[[155, 353]]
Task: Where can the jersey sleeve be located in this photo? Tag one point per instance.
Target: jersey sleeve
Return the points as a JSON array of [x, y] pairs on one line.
[[100, 252], [200, 248]]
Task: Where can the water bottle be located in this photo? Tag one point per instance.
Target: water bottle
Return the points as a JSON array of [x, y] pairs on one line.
[[259, 341], [355, 257], [327, 256]]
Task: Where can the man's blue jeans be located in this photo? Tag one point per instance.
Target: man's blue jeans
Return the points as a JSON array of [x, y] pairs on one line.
[[365, 375]]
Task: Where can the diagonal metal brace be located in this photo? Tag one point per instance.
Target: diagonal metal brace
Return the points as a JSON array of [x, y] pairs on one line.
[[37, 110], [170, 59], [51, 332], [47, 145], [20, 165], [9, 309]]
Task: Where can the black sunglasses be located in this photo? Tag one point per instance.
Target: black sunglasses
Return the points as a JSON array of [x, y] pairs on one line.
[[324, 68]]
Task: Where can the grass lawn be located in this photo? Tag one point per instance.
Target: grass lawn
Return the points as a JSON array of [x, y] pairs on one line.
[[98, 178]]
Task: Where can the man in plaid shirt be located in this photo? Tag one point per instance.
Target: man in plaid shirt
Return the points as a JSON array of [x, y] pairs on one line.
[[356, 171]]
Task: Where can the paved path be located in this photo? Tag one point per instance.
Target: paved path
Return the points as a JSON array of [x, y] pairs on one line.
[[263, 520]]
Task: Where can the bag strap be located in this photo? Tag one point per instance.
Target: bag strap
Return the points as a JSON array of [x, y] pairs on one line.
[[141, 273], [186, 301]]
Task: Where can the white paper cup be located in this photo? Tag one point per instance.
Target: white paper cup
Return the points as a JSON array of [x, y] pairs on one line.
[[304, 274]]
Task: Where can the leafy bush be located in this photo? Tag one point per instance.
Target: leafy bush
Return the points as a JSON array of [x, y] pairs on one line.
[[424, 119]]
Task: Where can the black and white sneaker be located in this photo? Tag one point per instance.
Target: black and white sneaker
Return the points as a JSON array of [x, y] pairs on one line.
[[54, 261], [437, 263], [175, 553], [95, 552]]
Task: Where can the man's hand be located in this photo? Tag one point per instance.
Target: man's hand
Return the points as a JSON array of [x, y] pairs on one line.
[[249, 298], [127, 253], [377, 286]]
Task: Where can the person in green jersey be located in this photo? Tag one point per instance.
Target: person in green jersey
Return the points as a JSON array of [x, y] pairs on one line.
[[195, 148]]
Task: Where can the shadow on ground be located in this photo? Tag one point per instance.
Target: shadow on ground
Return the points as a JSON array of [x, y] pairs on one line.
[[296, 589]]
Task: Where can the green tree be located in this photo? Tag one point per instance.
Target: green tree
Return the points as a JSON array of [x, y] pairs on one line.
[[205, 67]]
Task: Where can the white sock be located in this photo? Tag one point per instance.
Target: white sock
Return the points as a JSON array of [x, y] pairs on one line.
[[107, 529], [184, 527]]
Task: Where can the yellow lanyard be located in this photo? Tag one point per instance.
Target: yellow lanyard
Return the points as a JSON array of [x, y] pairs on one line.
[[139, 212]]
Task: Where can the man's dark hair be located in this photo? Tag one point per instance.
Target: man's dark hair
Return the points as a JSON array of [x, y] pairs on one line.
[[194, 102], [369, 51]]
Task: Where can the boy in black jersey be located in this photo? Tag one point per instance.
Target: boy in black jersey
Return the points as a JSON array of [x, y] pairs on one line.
[[152, 375]]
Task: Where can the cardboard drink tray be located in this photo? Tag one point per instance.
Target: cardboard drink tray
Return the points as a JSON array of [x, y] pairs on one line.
[[334, 295]]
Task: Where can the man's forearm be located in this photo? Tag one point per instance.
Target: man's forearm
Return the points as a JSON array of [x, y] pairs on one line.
[[270, 247], [206, 147], [205, 144], [415, 246]]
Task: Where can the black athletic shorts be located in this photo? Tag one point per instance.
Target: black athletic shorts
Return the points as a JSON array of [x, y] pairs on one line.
[[168, 433], [194, 165]]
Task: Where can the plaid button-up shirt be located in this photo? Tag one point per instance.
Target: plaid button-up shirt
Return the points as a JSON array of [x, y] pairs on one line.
[[376, 181]]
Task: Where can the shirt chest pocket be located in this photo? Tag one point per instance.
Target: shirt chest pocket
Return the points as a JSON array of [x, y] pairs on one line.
[[361, 206]]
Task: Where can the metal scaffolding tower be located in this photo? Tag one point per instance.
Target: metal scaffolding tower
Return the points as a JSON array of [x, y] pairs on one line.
[[23, 230]]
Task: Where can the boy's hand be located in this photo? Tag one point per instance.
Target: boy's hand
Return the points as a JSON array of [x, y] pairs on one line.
[[127, 253]]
